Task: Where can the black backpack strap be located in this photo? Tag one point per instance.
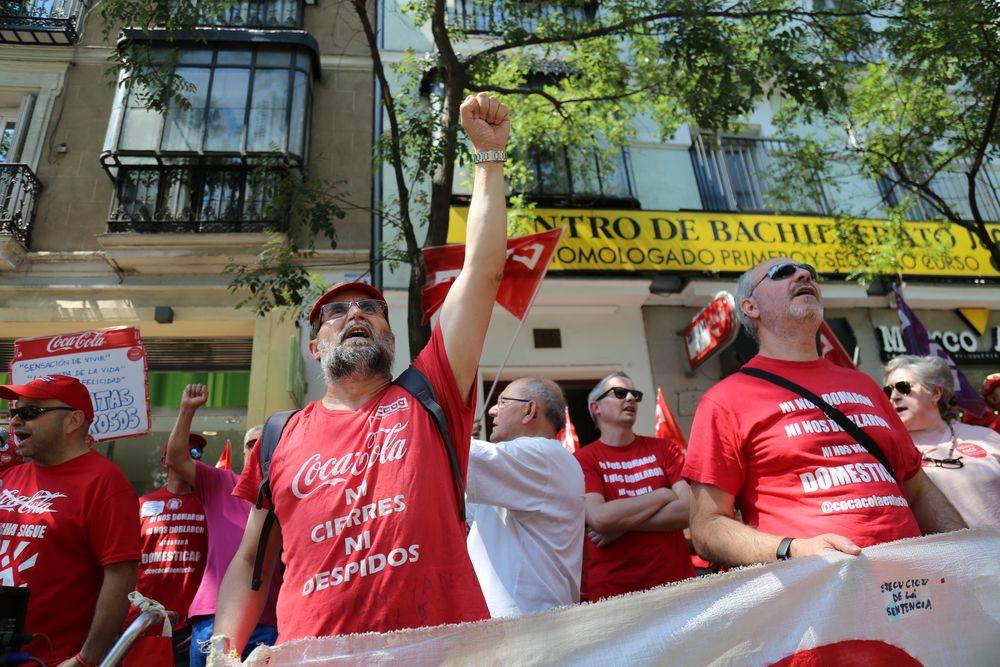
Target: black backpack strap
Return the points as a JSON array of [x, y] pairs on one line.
[[414, 382], [273, 428], [833, 413]]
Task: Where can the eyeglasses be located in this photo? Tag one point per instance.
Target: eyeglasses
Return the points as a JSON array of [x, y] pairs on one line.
[[338, 309], [955, 463], [903, 387], [28, 412], [785, 270], [621, 393], [501, 399]]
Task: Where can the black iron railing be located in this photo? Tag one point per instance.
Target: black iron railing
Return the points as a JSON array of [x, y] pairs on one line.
[[952, 186], [492, 18], [738, 174], [195, 199], [41, 21], [19, 189]]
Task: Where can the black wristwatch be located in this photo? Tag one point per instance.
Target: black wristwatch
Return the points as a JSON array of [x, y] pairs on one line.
[[784, 551]]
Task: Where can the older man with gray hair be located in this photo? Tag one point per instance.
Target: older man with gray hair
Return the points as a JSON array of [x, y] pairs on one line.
[[814, 453], [637, 503], [525, 504]]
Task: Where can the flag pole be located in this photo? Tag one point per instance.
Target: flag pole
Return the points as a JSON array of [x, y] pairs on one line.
[[510, 348]]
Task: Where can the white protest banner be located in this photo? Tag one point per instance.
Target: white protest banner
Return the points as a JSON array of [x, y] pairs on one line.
[[110, 362], [924, 601]]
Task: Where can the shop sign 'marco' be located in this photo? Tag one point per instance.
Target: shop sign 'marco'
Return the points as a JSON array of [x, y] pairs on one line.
[[963, 346]]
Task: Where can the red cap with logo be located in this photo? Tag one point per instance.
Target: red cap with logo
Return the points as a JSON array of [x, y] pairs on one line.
[[340, 288], [63, 388]]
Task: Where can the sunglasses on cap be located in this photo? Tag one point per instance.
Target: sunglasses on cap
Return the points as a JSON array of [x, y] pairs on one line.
[[338, 309], [903, 387], [28, 412], [785, 270], [621, 393]]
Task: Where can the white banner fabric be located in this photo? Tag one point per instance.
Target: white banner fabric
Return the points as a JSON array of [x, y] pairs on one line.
[[933, 601]]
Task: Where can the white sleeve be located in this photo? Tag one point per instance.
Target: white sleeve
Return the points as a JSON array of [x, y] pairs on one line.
[[508, 474]]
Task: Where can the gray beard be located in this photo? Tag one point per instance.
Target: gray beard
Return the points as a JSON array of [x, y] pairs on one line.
[[342, 362]]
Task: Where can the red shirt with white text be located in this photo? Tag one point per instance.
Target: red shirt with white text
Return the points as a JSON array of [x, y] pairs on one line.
[[793, 471], [369, 520], [60, 526], [638, 559], [174, 544]]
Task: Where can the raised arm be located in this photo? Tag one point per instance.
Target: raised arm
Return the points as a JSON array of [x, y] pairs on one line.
[[178, 455], [721, 539], [465, 315], [239, 606]]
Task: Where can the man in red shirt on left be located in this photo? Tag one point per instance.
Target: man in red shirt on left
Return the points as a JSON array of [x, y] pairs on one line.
[[70, 525]]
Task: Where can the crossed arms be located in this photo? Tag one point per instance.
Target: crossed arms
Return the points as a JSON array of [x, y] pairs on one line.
[[661, 510]]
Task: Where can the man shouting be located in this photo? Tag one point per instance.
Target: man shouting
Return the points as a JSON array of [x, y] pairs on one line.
[[362, 487]]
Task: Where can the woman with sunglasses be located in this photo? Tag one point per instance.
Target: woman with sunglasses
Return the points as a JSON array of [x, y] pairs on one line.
[[963, 460]]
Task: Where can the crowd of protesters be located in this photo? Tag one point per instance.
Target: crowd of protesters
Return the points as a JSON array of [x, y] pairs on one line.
[[374, 509]]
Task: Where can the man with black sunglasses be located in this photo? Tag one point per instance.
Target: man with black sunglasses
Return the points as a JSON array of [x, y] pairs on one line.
[[803, 484], [72, 520], [361, 483], [636, 502]]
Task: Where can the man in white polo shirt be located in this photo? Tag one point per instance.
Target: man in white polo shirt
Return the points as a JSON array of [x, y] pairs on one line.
[[525, 504]]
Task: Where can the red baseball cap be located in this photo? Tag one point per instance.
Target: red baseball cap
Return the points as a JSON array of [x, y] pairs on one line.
[[990, 383], [63, 388], [340, 288]]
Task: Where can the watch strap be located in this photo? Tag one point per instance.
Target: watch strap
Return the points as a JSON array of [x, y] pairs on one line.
[[489, 156], [784, 551]]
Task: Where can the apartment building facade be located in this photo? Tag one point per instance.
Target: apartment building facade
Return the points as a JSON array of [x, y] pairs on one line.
[[653, 239], [114, 214]]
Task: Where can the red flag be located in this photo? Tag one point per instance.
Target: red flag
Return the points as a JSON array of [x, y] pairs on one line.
[[666, 425], [831, 348], [567, 435], [528, 259], [224, 458]]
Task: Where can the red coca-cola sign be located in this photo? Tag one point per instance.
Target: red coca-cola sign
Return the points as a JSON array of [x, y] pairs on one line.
[[75, 342], [712, 330]]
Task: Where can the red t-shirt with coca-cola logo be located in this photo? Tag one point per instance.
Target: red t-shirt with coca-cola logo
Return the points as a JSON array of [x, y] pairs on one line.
[[369, 521], [794, 471], [59, 526], [638, 559], [174, 544]]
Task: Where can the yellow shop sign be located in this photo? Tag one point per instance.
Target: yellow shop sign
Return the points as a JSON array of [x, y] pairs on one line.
[[696, 241]]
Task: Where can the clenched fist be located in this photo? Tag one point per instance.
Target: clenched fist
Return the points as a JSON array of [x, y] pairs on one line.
[[194, 396], [486, 122]]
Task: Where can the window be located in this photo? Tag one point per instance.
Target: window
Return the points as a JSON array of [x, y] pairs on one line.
[[240, 101], [579, 175], [41, 21], [737, 174], [258, 14], [478, 17]]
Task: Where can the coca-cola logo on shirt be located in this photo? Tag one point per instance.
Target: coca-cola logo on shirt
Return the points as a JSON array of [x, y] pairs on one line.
[[40, 502], [380, 447], [80, 341]]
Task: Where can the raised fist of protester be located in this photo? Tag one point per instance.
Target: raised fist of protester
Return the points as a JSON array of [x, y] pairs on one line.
[[485, 120], [194, 396], [827, 542]]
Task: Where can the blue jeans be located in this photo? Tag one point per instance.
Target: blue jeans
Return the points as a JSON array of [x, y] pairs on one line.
[[201, 631]]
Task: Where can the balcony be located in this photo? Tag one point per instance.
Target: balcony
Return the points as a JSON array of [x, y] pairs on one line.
[[579, 177], [484, 18], [194, 199], [19, 189], [257, 14], [41, 21], [737, 174], [953, 187]]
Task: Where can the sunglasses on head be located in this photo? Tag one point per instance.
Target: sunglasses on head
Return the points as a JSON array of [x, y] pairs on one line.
[[903, 387], [28, 412], [621, 393], [786, 270], [338, 309]]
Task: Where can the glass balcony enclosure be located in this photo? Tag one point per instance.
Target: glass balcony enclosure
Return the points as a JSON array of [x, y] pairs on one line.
[[577, 177], [198, 166], [257, 14]]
